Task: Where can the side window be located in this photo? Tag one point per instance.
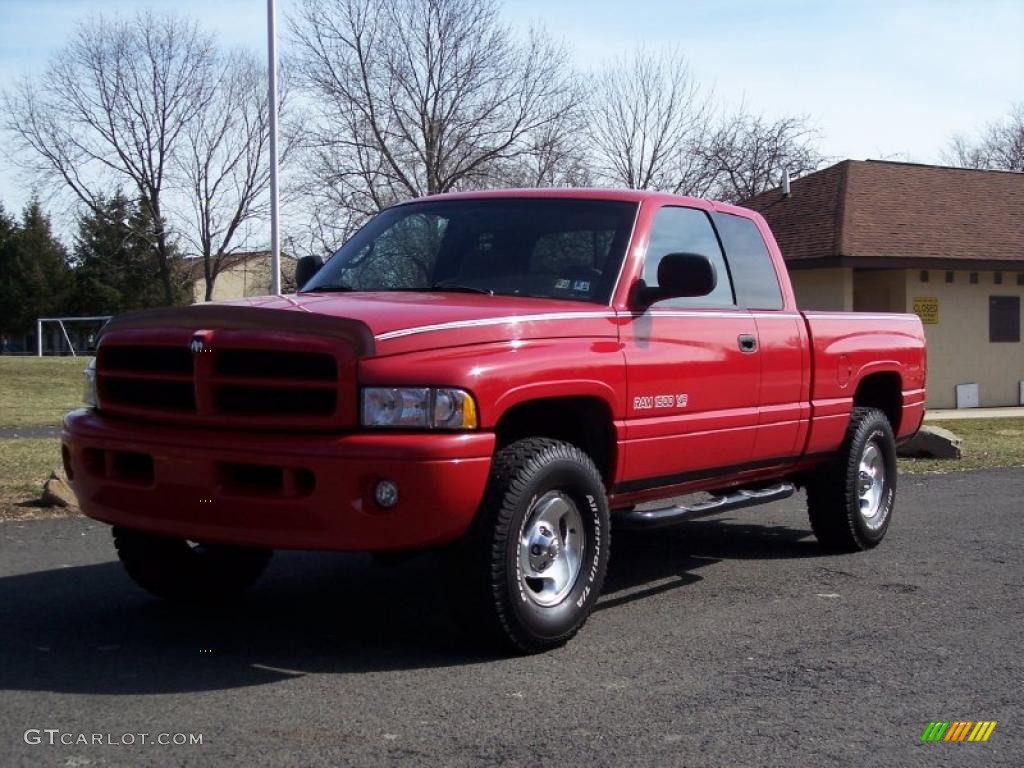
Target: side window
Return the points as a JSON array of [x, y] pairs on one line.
[[757, 285], [687, 230]]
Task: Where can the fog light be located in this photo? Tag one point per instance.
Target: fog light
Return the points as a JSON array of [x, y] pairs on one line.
[[386, 494]]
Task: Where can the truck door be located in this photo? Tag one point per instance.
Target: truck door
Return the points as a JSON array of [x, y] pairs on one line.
[[783, 407], [693, 369]]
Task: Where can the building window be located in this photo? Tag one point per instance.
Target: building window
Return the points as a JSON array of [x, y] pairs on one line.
[[949, 277], [924, 275], [997, 278], [974, 278], [1004, 319]]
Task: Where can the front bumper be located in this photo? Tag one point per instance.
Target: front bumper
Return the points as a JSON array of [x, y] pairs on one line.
[[276, 490]]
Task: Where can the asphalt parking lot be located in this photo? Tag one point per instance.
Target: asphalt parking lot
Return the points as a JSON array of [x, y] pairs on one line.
[[726, 642]]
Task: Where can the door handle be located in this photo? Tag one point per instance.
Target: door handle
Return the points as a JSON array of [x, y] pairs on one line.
[[747, 342]]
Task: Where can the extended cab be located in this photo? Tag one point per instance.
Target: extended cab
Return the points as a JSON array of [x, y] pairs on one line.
[[505, 377]]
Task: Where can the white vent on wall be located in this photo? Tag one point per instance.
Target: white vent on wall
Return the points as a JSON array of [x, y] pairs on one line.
[[1020, 400], [967, 395]]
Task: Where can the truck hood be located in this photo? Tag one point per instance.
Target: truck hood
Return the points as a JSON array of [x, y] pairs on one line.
[[393, 322], [404, 321]]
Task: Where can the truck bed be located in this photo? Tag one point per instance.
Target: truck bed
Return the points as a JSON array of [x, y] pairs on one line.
[[848, 347]]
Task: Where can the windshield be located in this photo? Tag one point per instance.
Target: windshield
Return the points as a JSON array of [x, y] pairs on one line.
[[541, 247]]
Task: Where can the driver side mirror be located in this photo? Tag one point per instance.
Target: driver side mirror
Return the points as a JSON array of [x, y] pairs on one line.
[[305, 269], [680, 275]]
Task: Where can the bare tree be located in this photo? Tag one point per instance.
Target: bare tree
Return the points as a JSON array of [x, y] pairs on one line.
[[649, 122], [223, 164], [419, 97], [113, 105], [748, 153], [556, 156], [999, 147]]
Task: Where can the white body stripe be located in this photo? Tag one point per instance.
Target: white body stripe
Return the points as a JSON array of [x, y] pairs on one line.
[[507, 320], [542, 317]]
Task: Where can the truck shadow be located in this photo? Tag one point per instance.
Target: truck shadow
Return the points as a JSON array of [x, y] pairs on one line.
[[88, 629], [646, 563]]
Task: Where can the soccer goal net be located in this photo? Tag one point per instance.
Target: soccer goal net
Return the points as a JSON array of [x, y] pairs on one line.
[[68, 334]]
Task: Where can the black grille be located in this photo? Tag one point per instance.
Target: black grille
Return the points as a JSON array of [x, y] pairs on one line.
[[149, 393], [220, 383], [263, 400], [274, 364], [145, 359]]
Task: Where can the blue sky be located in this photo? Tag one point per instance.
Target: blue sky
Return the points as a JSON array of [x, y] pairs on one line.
[[879, 79]]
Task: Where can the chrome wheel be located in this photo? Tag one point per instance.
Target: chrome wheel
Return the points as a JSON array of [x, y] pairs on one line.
[[871, 485], [551, 545]]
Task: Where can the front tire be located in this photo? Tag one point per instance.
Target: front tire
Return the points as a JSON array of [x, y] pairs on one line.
[[180, 571], [527, 575], [850, 502]]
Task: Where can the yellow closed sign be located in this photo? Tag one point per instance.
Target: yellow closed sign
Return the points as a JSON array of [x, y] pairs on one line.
[[927, 308]]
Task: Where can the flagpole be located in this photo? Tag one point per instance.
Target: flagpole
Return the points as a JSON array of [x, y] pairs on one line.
[[275, 233]]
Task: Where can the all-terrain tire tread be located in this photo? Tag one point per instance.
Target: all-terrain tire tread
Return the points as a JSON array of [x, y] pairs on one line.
[[485, 609], [832, 496]]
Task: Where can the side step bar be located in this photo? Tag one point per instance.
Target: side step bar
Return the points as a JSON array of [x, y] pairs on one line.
[[666, 516]]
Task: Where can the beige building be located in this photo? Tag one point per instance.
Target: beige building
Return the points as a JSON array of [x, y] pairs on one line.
[[946, 243], [241, 275]]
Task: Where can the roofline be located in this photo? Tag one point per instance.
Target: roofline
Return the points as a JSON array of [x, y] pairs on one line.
[[849, 161], [1009, 264], [190, 257], [594, 193], [936, 167], [579, 193]]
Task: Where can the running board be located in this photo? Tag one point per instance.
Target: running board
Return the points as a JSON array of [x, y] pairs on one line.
[[666, 516]]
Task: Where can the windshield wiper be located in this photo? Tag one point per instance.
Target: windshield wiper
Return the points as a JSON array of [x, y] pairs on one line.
[[461, 289], [331, 288]]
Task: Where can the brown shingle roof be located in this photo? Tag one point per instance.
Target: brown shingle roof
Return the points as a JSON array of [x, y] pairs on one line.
[[881, 209]]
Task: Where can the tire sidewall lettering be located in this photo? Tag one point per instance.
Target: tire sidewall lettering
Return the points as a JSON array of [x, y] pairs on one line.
[[583, 590]]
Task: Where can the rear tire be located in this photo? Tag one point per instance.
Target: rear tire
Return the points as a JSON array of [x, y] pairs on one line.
[[850, 502], [527, 575], [176, 570]]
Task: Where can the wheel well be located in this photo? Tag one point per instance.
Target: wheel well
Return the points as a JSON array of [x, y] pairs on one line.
[[883, 391], [585, 422]]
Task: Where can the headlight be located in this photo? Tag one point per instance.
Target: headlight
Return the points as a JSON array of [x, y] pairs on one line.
[[418, 408], [89, 384]]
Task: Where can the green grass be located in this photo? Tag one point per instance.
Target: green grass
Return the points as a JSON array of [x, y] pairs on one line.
[[25, 464], [38, 391], [987, 443]]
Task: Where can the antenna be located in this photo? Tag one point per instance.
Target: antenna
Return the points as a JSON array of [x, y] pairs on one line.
[[785, 182]]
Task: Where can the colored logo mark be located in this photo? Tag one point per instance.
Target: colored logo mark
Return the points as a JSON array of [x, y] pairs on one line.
[[958, 730]]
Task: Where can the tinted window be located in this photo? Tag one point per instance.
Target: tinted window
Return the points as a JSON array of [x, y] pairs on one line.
[[687, 230], [404, 254], [580, 249], [542, 247], [1004, 318], [753, 274]]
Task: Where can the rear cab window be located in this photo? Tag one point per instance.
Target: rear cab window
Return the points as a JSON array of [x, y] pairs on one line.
[[753, 271]]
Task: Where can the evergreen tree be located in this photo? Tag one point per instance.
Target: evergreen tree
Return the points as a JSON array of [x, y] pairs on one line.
[[9, 293], [116, 262], [34, 274]]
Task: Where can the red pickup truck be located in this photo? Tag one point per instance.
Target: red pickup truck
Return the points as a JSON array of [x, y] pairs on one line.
[[503, 377]]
